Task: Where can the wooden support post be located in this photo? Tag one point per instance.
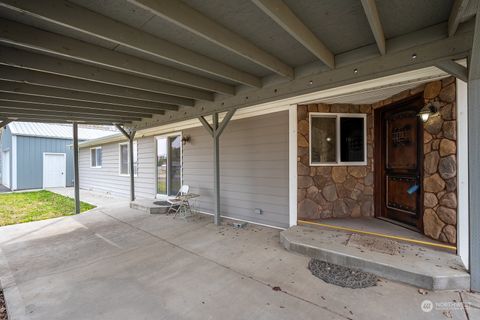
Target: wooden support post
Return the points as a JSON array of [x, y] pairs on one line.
[[132, 167], [216, 169], [474, 156], [75, 168], [4, 123], [215, 131], [474, 181]]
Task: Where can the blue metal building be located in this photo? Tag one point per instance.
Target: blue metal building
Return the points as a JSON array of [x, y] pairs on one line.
[[39, 155]]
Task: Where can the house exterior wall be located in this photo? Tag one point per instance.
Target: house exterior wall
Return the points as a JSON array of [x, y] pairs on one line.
[[325, 192], [253, 169], [30, 160], [333, 191], [108, 178]]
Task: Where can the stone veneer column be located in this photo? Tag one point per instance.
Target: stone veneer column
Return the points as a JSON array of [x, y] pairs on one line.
[[440, 163]]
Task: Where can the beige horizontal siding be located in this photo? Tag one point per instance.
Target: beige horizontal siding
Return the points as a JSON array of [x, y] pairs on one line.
[[253, 169], [107, 178]]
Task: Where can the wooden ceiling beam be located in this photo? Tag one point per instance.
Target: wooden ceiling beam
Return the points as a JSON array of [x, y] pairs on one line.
[[20, 105], [8, 96], [69, 15], [44, 63], [74, 97], [370, 8], [57, 81], [201, 25], [283, 16]]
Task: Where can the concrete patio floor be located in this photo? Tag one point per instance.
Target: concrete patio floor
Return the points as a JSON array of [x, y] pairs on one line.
[[118, 263]]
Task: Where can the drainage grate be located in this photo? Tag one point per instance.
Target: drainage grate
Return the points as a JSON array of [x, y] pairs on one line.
[[341, 276]]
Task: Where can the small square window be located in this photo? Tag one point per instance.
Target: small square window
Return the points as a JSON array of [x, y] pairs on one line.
[[337, 139]]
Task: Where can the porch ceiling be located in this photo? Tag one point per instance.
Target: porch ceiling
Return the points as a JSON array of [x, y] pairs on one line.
[[144, 63]]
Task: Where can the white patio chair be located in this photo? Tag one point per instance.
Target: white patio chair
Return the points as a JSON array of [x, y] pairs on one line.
[[177, 202]]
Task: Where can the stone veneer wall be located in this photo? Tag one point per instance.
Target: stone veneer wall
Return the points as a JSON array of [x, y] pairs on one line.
[[325, 192], [440, 163], [333, 191]]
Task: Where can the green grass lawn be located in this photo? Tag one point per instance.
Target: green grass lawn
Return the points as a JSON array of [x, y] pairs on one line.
[[36, 205]]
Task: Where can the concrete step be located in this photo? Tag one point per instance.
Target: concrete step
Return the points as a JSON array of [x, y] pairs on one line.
[[408, 263], [148, 206]]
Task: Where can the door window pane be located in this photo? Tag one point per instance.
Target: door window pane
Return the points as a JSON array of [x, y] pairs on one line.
[[323, 144], [169, 165], [162, 166], [175, 164], [352, 139]]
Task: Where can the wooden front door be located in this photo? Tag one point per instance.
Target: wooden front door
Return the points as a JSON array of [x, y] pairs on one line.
[[399, 162]]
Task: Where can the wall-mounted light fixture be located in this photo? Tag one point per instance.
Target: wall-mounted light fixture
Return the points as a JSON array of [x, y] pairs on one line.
[[185, 140], [430, 110]]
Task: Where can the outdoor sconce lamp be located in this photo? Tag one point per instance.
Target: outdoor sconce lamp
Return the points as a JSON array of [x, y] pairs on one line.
[[185, 140], [430, 110]]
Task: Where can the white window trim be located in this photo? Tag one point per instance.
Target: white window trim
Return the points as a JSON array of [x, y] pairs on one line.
[[337, 116], [128, 158], [90, 155]]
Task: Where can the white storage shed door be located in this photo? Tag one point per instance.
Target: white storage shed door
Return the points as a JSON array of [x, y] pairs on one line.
[[54, 170]]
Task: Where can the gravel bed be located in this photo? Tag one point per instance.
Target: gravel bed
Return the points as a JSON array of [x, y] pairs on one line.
[[341, 276], [3, 308]]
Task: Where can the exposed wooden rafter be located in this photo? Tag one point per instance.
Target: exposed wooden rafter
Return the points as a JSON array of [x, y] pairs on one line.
[[26, 99], [32, 114], [69, 15], [29, 37], [60, 120], [194, 21], [474, 62], [21, 105], [370, 8], [454, 69], [456, 15], [42, 110], [56, 81], [79, 97], [43, 63], [281, 14], [409, 54]]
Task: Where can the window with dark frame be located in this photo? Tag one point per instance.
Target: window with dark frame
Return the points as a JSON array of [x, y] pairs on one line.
[[337, 139]]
